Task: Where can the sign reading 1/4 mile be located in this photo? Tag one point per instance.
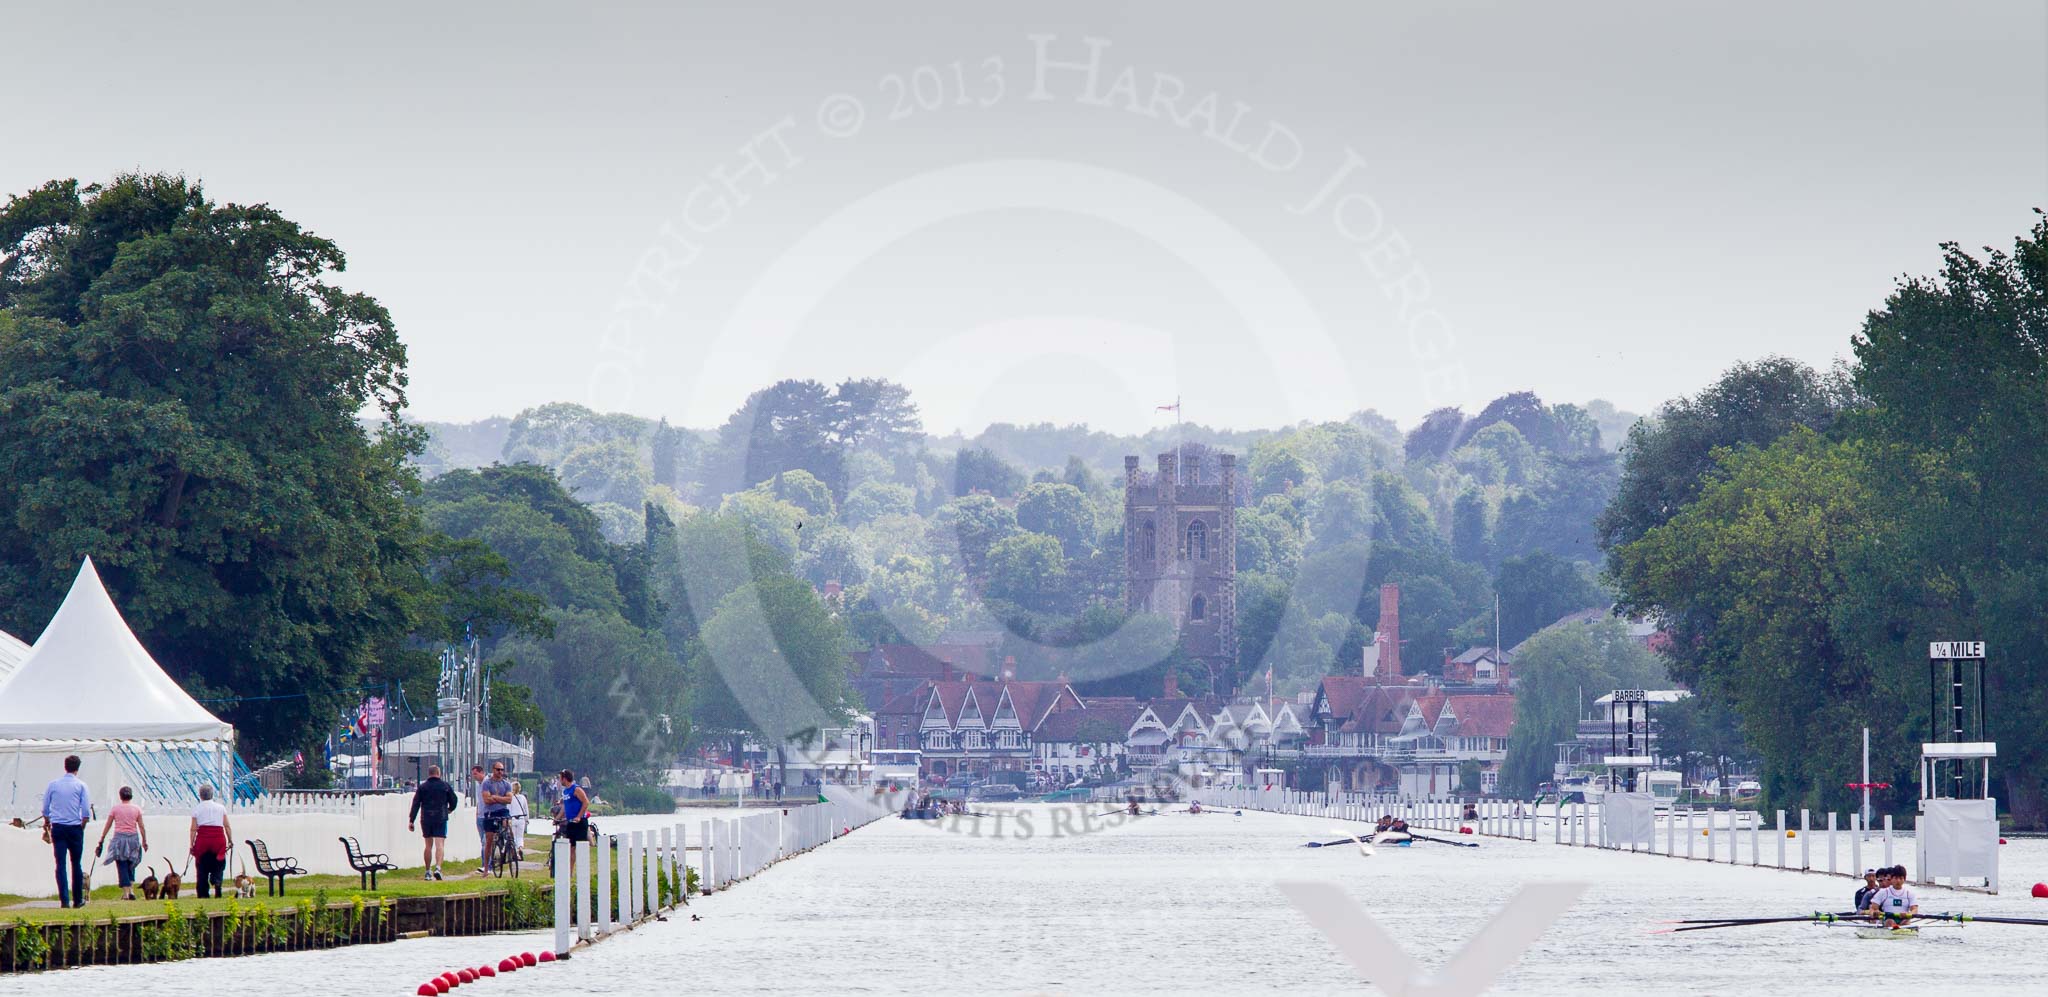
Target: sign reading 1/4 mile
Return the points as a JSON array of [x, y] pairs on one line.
[[1945, 650]]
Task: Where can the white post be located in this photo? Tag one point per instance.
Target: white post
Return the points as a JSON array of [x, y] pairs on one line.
[[561, 855], [603, 847], [1805, 840], [586, 905], [629, 878], [1856, 829], [707, 844], [1711, 841], [1756, 826], [1671, 831], [1887, 839], [1688, 832], [1557, 825], [1831, 841], [1866, 779], [1781, 839]]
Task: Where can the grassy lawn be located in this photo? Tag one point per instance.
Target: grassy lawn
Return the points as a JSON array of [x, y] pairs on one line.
[[397, 883]]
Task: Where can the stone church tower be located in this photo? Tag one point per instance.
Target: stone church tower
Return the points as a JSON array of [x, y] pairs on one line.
[[1180, 551]]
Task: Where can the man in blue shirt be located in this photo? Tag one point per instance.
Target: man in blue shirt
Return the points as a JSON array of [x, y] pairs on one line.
[[67, 808]]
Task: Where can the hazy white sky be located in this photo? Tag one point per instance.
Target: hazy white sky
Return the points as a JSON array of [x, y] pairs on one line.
[[1272, 214]]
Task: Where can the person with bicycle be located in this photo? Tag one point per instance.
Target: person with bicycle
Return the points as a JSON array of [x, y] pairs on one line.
[[497, 808]]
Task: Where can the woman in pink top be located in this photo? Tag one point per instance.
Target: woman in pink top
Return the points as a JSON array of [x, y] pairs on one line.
[[131, 839]]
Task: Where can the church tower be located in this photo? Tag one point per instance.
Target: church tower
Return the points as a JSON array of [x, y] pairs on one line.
[[1180, 551]]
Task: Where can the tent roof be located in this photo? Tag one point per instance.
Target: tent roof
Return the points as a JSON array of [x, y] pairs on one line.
[[12, 653], [87, 677], [427, 741]]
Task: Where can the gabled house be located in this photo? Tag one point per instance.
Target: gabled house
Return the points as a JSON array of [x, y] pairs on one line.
[[974, 728]]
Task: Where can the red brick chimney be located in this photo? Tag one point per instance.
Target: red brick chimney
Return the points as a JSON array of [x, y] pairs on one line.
[[1172, 686], [1390, 633]]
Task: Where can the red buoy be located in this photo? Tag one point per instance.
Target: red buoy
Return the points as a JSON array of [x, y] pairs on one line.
[[486, 971], [427, 990], [1464, 830], [451, 979], [466, 975], [2041, 890], [507, 965], [440, 985], [528, 959], [546, 956]]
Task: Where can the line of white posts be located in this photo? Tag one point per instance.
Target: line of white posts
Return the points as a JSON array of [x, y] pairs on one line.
[[648, 872], [1707, 835]]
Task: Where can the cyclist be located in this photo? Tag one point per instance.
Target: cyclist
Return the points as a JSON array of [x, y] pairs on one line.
[[497, 806]]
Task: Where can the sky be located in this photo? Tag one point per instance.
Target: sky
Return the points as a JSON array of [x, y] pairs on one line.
[[1075, 212]]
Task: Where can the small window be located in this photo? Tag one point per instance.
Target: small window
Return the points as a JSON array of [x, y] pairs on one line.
[[1151, 544], [1198, 609], [1198, 541]]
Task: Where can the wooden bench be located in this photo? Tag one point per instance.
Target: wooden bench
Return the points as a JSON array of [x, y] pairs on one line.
[[274, 870], [366, 865]]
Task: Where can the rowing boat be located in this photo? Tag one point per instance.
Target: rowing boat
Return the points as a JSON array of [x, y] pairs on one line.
[[1868, 931]]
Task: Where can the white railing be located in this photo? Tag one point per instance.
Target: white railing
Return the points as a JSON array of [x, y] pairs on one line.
[[648, 871]]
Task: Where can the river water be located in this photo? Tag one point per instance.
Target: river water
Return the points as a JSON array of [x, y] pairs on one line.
[[1044, 902]]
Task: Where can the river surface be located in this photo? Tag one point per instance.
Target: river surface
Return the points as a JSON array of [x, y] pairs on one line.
[[1043, 902]]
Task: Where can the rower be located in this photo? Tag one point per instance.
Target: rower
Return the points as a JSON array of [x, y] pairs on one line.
[[1133, 808], [1386, 823], [1194, 806], [1398, 826], [1895, 903], [1471, 811], [1867, 891]]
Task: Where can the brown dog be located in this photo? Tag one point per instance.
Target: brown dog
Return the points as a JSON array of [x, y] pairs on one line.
[[149, 887], [171, 881]]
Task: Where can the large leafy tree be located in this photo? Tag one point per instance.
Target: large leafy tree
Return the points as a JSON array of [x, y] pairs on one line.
[[180, 385], [1668, 457]]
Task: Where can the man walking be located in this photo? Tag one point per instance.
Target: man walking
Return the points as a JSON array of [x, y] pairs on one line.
[[431, 805], [67, 807]]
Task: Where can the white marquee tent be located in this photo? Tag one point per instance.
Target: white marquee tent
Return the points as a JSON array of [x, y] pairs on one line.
[[88, 687], [12, 653]]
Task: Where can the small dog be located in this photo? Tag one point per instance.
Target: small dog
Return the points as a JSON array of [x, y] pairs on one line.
[[149, 887], [172, 880], [244, 886]]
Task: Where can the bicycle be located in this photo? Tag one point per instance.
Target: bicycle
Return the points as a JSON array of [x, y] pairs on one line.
[[505, 852]]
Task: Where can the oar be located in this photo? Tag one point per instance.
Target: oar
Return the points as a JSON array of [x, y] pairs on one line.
[[1816, 916], [1974, 919], [1444, 841], [1748, 922]]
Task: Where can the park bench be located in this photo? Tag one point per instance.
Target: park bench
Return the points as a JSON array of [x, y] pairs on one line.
[[274, 870], [366, 865]]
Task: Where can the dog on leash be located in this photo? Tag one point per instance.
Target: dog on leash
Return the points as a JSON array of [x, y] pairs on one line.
[[172, 880], [150, 887], [244, 886]]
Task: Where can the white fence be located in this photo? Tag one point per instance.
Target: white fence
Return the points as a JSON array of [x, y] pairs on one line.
[[1830, 843], [648, 871]]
